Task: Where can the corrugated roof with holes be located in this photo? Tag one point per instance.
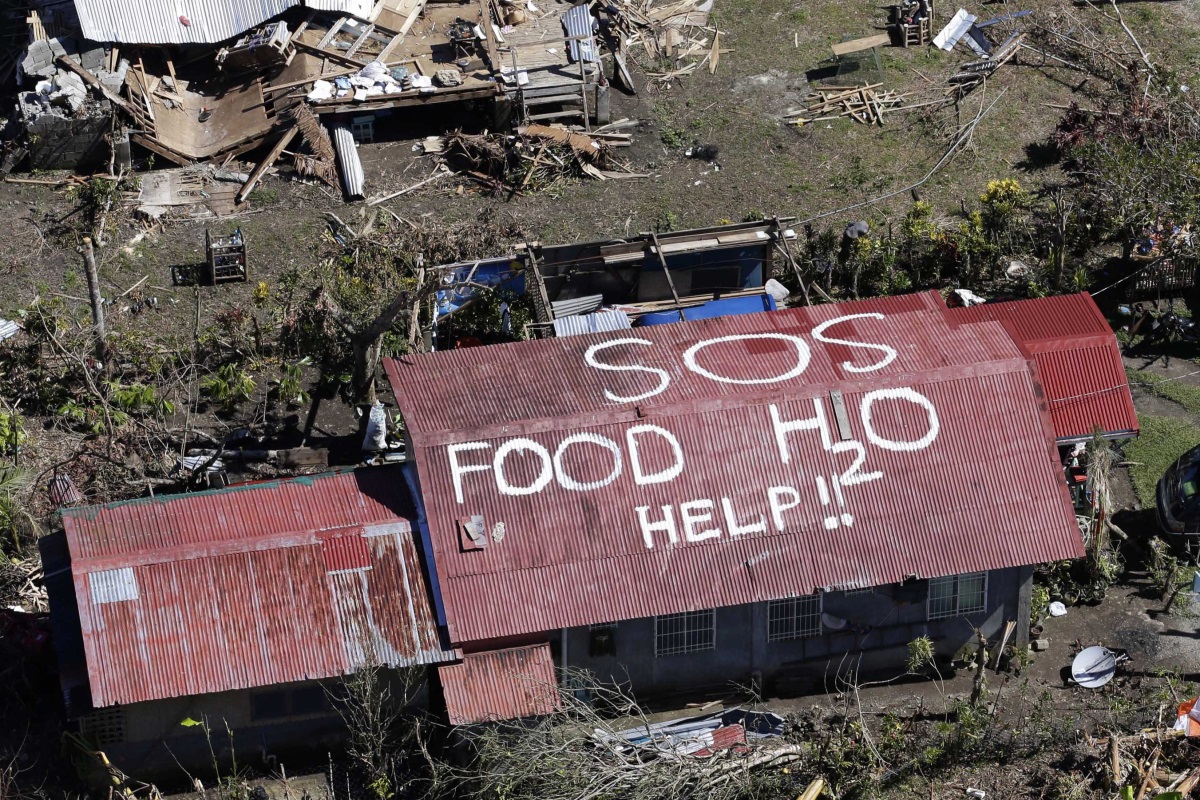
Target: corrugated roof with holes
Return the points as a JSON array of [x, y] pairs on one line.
[[258, 584], [500, 684], [1078, 361], [686, 466]]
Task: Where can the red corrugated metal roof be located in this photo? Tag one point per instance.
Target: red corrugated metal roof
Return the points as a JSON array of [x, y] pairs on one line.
[[561, 539], [1078, 361], [500, 684], [249, 586]]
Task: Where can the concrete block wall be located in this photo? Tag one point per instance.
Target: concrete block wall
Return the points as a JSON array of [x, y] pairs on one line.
[[743, 652], [59, 143]]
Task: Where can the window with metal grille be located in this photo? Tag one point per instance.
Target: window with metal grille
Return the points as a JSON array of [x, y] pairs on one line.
[[104, 726], [690, 632], [794, 618], [866, 590], [957, 595]]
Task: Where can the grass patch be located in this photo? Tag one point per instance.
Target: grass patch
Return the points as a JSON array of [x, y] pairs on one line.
[[1186, 395], [1162, 441], [264, 197]]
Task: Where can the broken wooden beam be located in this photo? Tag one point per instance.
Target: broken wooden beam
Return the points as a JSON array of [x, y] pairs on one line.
[[266, 163]]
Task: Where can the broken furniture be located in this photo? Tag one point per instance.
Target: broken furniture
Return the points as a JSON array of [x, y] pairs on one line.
[[267, 46], [858, 45], [911, 23], [225, 257]]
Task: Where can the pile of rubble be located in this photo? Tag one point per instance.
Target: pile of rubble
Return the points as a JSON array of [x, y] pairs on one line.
[[536, 158], [62, 91]]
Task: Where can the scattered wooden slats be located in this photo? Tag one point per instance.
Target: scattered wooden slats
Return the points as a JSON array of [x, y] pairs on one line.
[[860, 103]]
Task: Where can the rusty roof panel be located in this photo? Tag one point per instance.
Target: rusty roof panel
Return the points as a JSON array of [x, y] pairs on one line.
[[171, 604], [1078, 361], [501, 684], [675, 472]]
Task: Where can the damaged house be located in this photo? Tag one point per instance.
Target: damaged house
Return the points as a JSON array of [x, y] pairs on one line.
[[763, 498], [202, 82], [231, 607]]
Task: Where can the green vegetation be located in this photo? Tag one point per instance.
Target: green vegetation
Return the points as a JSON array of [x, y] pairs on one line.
[[264, 197], [229, 387], [1161, 442], [1185, 394], [12, 433]]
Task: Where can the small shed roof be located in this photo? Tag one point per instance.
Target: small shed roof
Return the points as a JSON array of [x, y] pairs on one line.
[[1078, 361], [500, 684], [254, 585], [700, 464]]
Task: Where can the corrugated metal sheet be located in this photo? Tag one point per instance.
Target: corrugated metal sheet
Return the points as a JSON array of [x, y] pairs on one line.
[[249, 586], [576, 305], [162, 22], [599, 322], [1078, 361], [578, 21], [500, 684], [191, 21], [985, 492], [356, 8], [347, 156], [8, 329], [959, 24]]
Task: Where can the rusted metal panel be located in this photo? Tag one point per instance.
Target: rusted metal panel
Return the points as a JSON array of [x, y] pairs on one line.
[[501, 684], [678, 472], [249, 586], [1078, 361]]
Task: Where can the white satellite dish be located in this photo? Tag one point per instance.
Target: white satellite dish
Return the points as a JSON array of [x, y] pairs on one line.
[[1095, 666]]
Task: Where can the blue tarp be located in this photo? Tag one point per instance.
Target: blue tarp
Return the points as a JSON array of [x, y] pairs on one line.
[[726, 307], [462, 283]]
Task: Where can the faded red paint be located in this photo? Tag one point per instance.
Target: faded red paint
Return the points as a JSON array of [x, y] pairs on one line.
[[1078, 361], [501, 684], [250, 586], [986, 493]]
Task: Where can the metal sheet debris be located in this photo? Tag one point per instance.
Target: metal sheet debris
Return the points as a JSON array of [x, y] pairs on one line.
[[958, 25]]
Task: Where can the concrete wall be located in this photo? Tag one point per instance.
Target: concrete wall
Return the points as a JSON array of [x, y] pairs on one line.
[[293, 723], [59, 143], [887, 620]]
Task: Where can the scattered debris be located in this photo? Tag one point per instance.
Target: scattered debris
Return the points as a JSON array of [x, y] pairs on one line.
[[860, 103], [673, 33], [196, 192], [8, 329], [534, 159]]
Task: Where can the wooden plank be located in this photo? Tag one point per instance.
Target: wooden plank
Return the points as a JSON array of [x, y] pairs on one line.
[[389, 47], [303, 26], [857, 45], [171, 72], [362, 37], [155, 147], [329, 54], [411, 19], [266, 163], [328, 37]]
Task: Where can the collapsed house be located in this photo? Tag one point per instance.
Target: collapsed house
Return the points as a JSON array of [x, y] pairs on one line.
[[195, 82], [648, 278], [680, 507]]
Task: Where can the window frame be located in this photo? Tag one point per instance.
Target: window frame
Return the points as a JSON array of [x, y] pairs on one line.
[[691, 636], [797, 620], [956, 608]]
